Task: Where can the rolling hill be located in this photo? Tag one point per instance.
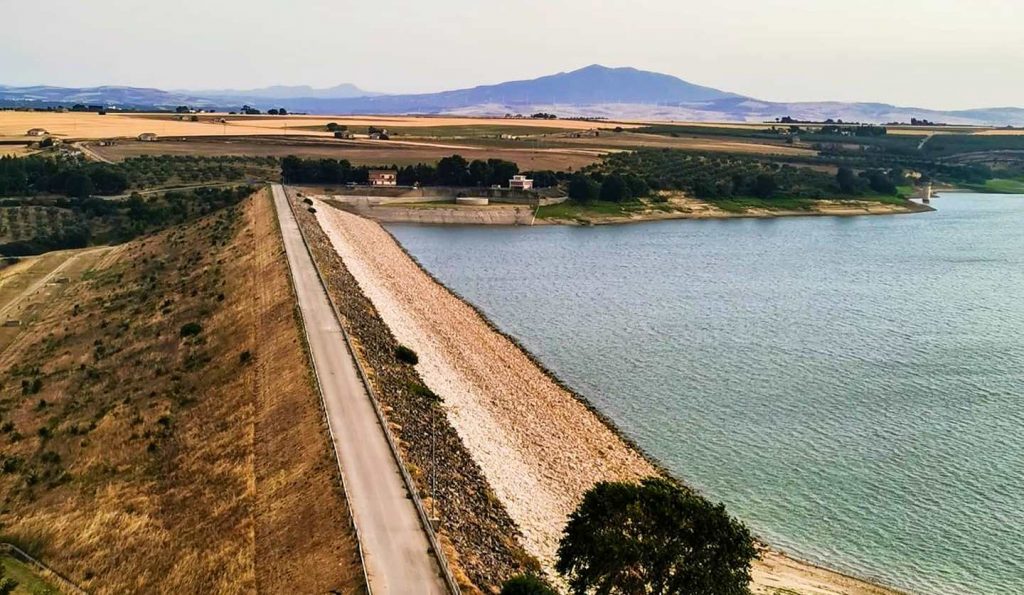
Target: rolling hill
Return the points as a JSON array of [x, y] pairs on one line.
[[593, 91], [342, 91]]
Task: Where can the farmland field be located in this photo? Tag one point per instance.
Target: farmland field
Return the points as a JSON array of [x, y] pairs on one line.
[[628, 140], [88, 125], [23, 222], [358, 152]]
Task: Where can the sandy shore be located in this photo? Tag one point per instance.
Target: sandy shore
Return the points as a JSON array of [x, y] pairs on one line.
[[692, 208], [677, 208], [539, 447]]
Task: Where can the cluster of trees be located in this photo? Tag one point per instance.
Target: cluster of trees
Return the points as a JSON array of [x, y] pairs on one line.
[[449, 171], [866, 130], [322, 171], [717, 176], [653, 538], [714, 176], [614, 187], [155, 170], [456, 171], [279, 111], [29, 176], [868, 181], [544, 116], [98, 220]]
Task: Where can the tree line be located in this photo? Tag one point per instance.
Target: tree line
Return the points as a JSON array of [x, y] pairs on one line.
[[28, 176], [100, 221], [717, 176], [449, 171]]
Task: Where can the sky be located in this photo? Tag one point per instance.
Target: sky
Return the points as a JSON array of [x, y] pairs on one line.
[[943, 54]]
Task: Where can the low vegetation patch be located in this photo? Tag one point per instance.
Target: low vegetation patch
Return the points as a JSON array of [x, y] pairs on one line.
[[406, 355], [1000, 186]]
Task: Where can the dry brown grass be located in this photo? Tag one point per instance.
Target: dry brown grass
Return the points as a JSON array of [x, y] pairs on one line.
[[87, 125], [417, 122], [176, 466], [27, 287], [626, 140], [16, 150]]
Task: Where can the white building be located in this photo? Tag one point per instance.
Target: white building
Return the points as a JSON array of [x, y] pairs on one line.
[[147, 136], [520, 182], [383, 177], [38, 132]]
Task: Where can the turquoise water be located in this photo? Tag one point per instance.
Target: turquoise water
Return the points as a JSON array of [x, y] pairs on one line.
[[852, 388]]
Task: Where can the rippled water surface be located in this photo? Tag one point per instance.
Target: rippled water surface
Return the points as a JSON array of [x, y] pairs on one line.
[[852, 388]]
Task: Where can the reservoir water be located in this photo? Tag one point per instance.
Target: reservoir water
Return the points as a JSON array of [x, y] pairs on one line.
[[851, 388]]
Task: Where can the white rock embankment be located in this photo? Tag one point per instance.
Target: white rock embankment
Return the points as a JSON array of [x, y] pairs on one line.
[[538, 446]]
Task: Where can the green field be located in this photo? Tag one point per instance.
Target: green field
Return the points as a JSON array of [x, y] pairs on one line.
[[1001, 186], [29, 583], [743, 204], [591, 210]]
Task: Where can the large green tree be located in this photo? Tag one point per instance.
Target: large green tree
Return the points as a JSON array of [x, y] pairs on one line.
[[615, 189], [583, 188], [847, 180], [654, 538], [452, 171]]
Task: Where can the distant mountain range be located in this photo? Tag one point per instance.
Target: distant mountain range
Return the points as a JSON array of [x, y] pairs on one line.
[[344, 90], [594, 91]]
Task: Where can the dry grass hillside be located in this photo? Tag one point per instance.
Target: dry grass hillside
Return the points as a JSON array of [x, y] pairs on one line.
[[159, 431]]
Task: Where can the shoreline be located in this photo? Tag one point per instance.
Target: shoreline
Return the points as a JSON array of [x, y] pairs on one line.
[[771, 554], [680, 208], [777, 570], [859, 209]]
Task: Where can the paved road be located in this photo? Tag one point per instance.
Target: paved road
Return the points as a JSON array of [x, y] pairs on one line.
[[396, 550]]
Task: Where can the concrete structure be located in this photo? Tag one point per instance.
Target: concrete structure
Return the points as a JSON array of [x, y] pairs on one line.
[[383, 177], [472, 200], [147, 136], [38, 132], [520, 182]]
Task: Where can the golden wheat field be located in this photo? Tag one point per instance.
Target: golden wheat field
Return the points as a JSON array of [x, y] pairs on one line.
[[88, 125]]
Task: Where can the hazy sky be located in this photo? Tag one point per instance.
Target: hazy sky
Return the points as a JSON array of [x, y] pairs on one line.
[[928, 53]]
